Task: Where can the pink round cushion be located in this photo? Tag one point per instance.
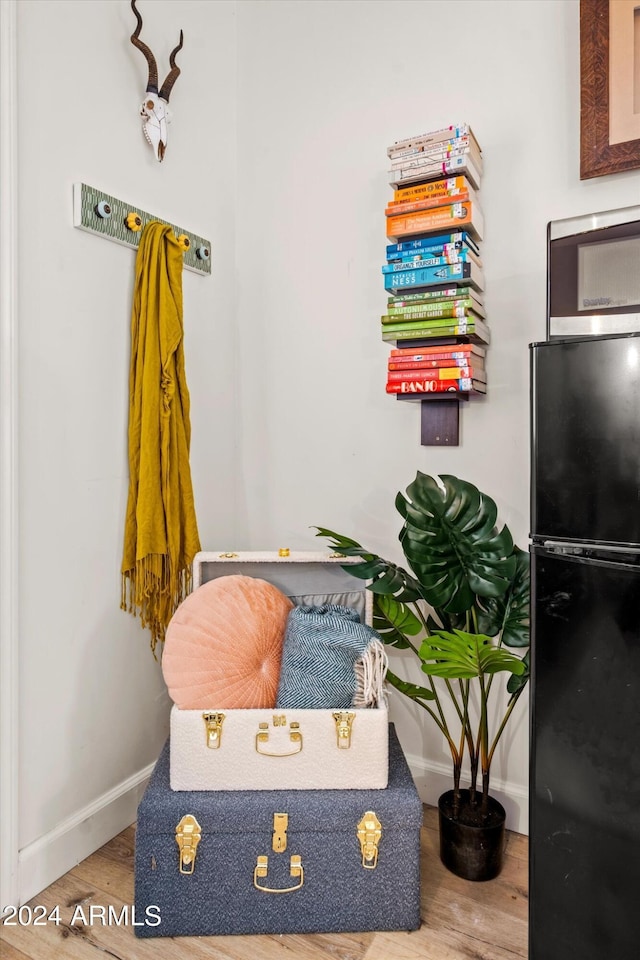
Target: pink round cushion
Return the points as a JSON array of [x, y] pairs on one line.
[[224, 643]]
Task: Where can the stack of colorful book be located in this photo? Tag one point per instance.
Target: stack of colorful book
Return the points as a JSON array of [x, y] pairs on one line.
[[433, 273], [438, 369]]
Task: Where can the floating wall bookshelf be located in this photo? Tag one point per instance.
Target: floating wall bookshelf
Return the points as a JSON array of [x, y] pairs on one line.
[[433, 277]]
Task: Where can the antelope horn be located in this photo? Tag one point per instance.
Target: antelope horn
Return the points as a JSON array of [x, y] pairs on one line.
[[174, 73], [152, 84]]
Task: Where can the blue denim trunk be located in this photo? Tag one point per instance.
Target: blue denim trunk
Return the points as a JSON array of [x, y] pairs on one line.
[[255, 872]]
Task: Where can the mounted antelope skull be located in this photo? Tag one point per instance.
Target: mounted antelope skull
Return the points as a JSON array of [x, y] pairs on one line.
[[154, 109]]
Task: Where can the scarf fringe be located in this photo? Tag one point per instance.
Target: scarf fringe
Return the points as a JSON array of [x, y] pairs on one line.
[[371, 670], [153, 591]]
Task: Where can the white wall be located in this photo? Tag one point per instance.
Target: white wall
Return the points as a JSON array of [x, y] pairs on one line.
[[324, 87], [93, 706]]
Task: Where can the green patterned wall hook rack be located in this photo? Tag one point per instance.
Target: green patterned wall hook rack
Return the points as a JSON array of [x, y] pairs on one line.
[[98, 212]]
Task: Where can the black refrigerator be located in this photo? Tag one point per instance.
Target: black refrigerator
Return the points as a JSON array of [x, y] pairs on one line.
[[584, 875]]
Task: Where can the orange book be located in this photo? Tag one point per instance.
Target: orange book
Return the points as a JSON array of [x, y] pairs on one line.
[[438, 373], [432, 188], [395, 208], [449, 217]]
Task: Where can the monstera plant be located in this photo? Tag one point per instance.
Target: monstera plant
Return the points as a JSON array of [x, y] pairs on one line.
[[462, 608]]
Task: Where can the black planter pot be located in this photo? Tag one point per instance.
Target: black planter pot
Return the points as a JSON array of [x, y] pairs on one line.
[[471, 847]]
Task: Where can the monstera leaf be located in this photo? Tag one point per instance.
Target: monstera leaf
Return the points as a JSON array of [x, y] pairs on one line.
[[395, 621], [411, 690], [516, 683], [450, 539], [386, 578], [464, 656], [509, 615]]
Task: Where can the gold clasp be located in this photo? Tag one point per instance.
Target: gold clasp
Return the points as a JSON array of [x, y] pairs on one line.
[[188, 836], [344, 722], [261, 869], [262, 738], [284, 552], [213, 725], [369, 833], [227, 556], [280, 824]]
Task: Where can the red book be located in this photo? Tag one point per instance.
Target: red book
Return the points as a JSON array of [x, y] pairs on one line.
[[439, 361], [424, 385], [437, 373], [448, 350]]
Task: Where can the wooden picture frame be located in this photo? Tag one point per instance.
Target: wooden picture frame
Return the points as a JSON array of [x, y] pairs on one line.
[[599, 157]]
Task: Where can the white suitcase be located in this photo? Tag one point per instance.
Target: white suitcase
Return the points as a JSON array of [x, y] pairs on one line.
[[273, 749]]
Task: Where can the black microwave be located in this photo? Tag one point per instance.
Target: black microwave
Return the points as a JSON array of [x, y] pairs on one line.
[[593, 274]]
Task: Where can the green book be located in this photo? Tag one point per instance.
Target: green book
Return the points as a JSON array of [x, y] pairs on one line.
[[476, 331]]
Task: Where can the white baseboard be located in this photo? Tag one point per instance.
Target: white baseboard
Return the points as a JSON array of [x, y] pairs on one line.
[[432, 779], [49, 857]]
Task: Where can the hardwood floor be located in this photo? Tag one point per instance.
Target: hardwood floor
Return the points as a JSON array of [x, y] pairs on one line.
[[460, 920]]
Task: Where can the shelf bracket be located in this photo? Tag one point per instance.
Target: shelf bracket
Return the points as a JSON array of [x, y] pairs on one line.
[[440, 422], [439, 419]]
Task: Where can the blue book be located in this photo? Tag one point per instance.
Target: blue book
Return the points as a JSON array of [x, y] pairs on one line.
[[428, 276], [432, 244], [460, 256]]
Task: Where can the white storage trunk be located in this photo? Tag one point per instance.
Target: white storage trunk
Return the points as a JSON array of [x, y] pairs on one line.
[[273, 749]]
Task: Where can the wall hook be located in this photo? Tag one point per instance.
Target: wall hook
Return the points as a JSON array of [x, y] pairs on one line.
[[106, 216]]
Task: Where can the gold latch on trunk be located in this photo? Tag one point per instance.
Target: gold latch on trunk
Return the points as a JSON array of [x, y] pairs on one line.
[[344, 722], [213, 725], [279, 844], [369, 833], [294, 744], [188, 836], [280, 824]]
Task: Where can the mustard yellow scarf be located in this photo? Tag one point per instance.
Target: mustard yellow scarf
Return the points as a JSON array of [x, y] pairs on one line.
[[161, 532]]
